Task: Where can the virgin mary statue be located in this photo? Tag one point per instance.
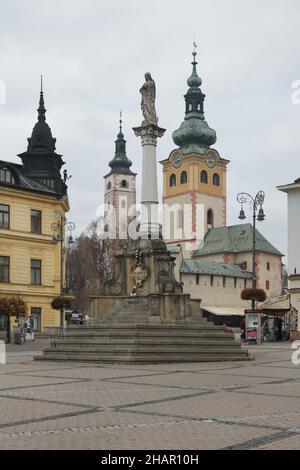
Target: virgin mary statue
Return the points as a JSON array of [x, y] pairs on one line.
[[148, 93]]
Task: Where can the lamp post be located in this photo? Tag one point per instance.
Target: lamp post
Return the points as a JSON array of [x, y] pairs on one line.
[[255, 204], [58, 229]]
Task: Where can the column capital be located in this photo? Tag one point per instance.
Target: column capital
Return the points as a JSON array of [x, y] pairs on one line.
[[149, 133]]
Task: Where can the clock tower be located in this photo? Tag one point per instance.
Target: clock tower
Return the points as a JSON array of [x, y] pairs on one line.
[[194, 176]]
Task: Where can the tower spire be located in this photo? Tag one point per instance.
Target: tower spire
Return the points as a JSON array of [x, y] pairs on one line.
[[120, 162], [121, 122], [41, 109], [194, 133]]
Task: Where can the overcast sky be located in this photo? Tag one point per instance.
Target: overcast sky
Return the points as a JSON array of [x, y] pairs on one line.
[[93, 56]]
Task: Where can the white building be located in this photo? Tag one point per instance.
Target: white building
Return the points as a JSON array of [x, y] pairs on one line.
[[293, 192]]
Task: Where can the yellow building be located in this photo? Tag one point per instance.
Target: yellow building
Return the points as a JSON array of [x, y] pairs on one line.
[[33, 197], [194, 184]]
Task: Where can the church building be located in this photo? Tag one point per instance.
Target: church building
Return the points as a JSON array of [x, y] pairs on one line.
[[120, 190]]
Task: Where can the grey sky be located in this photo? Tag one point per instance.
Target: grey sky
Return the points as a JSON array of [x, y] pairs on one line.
[[93, 56]]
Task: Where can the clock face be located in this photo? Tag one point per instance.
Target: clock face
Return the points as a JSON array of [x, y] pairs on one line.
[[177, 159], [211, 160]]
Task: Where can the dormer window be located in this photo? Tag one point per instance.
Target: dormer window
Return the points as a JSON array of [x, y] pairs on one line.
[[6, 176]]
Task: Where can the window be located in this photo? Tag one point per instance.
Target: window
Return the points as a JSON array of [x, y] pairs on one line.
[[235, 282], [197, 279], [224, 281], [211, 281], [244, 265], [4, 268], [36, 221], [268, 267], [4, 216], [36, 272], [172, 181], [124, 184], [183, 178], [267, 285], [6, 176], [216, 180], [210, 218], [204, 177], [108, 185]]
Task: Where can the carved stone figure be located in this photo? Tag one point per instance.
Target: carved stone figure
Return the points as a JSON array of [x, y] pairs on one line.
[[148, 92]]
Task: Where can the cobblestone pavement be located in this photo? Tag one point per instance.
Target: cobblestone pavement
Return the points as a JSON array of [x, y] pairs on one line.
[[253, 405]]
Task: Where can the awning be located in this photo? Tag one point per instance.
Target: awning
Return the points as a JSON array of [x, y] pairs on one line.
[[225, 311], [279, 305]]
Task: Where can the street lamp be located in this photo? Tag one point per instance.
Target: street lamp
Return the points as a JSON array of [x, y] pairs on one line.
[[255, 204], [58, 229]]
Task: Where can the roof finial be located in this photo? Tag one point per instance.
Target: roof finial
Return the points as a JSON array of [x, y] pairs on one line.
[[120, 121], [195, 49], [41, 109]]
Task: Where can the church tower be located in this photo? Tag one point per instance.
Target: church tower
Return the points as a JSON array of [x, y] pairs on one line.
[[120, 188], [40, 162], [194, 175]]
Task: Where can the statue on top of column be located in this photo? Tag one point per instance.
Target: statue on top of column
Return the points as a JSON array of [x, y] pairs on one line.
[[148, 93]]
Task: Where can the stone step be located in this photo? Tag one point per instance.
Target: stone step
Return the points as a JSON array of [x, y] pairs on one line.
[[144, 342], [166, 354], [164, 327], [144, 359], [223, 337], [155, 347]]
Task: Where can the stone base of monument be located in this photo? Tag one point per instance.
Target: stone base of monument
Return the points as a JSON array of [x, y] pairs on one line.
[[130, 334], [145, 344], [143, 316]]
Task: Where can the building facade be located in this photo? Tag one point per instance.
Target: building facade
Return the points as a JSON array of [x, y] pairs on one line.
[[33, 196], [293, 192]]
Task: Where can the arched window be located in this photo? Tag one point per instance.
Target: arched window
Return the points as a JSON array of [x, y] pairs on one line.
[[172, 180], [6, 176], [210, 218], [124, 184], [216, 179], [204, 177], [108, 185], [183, 178]]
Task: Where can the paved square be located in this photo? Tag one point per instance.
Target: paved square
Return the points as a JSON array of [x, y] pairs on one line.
[[251, 405]]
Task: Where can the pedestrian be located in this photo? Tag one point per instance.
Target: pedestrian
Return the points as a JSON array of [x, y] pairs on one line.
[[243, 331], [265, 330]]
